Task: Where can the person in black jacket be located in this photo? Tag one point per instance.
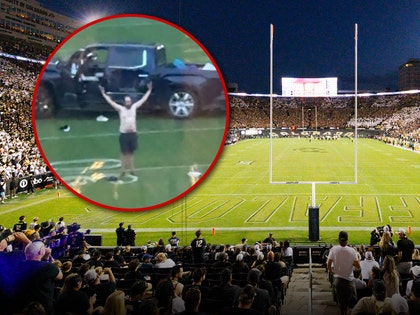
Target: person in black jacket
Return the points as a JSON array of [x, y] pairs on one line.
[[130, 236], [120, 234]]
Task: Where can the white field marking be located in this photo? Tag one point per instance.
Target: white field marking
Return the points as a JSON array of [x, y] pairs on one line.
[[378, 207], [293, 209], [26, 205], [142, 132], [194, 203], [117, 165], [331, 209], [391, 208], [242, 228], [300, 194]]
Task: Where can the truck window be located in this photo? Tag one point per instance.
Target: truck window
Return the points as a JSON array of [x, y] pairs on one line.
[[128, 57]]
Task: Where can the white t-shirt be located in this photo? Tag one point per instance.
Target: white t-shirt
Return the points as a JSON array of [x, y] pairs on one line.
[[343, 259], [366, 266]]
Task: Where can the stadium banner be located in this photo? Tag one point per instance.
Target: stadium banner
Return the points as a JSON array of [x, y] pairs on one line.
[[39, 182], [299, 132]]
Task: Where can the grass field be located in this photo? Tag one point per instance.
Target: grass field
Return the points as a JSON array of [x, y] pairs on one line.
[[87, 156], [237, 200]]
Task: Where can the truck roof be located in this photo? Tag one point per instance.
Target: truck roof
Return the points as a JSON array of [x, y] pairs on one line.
[[143, 45]]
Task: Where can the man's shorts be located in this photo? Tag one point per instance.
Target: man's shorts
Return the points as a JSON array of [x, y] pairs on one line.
[[345, 291], [128, 142]]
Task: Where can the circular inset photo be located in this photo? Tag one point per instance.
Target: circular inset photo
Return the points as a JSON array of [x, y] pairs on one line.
[[130, 112]]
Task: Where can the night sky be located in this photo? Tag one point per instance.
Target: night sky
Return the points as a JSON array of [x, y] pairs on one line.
[[311, 38]]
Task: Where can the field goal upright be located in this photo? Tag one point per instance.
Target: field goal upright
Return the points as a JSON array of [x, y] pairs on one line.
[[313, 209]]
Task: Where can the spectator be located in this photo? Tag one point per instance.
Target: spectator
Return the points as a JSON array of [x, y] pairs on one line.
[[222, 262], [416, 254], [269, 241], [110, 261], [240, 265], [75, 239], [2, 189], [33, 223], [115, 304], [415, 273], [133, 270], [261, 302], [147, 262], [130, 236], [120, 234], [173, 240], [42, 275], [198, 277], [405, 252], [246, 300], [192, 303], [163, 262], [21, 225], [60, 224], [343, 258], [367, 264], [225, 291], [176, 275], [167, 301], [198, 246], [358, 282], [378, 303], [414, 301], [118, 257], [138, 293], [275, 269], [399, 305], [386, 246], [96, 259], [71, 299], [286, 251], [103, 288], [390, 276]]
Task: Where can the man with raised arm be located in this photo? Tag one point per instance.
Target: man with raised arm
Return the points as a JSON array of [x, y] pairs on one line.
[[128, 127]]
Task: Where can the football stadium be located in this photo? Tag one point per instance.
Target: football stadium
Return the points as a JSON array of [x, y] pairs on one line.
[[295, 171]]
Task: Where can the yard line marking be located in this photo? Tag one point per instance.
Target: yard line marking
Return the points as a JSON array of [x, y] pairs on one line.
[[140, 132]]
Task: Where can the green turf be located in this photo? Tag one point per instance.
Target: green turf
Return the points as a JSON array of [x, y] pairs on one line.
[[237, 200], [89, 154]]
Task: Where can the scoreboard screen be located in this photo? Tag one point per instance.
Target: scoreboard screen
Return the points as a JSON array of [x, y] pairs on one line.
[[309, 86]]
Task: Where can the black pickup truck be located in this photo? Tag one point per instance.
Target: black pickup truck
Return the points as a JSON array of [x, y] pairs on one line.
[[183, 90]]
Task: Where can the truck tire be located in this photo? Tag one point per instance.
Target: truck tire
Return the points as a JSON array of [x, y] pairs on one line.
[[182, 104], [45, 103]]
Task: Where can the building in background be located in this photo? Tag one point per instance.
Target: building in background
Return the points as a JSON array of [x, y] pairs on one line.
[[409, 75], [26, 22]]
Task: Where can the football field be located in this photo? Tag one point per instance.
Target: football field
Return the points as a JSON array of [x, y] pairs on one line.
[[237, 200], [87, 157]]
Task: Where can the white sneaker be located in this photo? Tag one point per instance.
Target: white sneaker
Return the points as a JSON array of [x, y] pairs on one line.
[[102, 118]]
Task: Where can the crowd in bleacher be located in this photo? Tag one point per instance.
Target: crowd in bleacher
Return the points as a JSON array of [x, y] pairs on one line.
[[49, 268], [383, 112], [19, 155], [165, 278]]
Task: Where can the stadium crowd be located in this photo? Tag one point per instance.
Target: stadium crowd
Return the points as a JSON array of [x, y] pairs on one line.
[[19, 155], [397, 117], [49, 268]]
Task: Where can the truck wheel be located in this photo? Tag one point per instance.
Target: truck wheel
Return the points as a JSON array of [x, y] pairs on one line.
[[44, 105], [182, 104]]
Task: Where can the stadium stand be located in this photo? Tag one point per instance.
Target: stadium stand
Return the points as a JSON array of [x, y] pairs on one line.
[[395, 117]]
